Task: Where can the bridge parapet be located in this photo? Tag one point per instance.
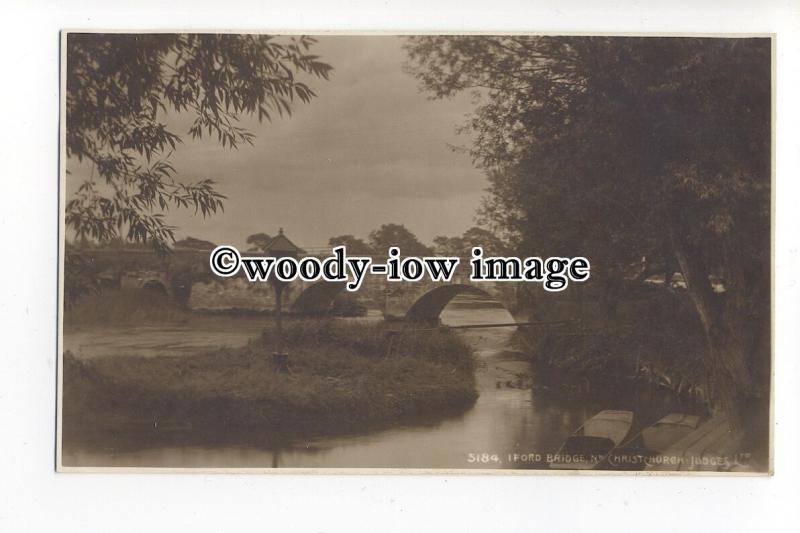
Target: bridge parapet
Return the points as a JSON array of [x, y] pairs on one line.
[[199, 289]]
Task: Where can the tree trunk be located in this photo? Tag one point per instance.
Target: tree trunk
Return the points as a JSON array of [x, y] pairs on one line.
[[732, 382]]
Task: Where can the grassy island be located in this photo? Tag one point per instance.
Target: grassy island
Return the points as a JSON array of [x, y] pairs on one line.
[[342, 377]]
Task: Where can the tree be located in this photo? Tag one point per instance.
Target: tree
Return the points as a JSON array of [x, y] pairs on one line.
[[354, 245], [491, 244], [119, 89], [388, 235], [190, 243], [664, 140], [258, 242], [443, 245], [462, 246], [109, 244]]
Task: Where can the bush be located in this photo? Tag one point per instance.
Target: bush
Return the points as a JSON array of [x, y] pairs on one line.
[[664, 347]]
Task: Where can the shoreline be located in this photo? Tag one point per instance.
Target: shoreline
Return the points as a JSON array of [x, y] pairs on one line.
[[337, 385]]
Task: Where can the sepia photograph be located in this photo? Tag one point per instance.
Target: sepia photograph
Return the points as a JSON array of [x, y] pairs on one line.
[[606, 203]]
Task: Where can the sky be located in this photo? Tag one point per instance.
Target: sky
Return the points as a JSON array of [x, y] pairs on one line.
[[370, 149]]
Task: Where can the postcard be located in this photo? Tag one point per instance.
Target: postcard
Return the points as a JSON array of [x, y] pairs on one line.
[[495, 253]]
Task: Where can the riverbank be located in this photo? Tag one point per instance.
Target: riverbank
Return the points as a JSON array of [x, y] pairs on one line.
[[664, 349], [518, 414], [342, 377]]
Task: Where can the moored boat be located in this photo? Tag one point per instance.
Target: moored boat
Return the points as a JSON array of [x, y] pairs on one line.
[[591, 443], [669, 430], [641, 450]]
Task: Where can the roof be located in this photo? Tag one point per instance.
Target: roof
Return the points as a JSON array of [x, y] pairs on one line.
[[281, 244]]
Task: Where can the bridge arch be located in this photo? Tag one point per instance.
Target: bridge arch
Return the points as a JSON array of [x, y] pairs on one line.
[[429, 306], [154, 285], [317, 298]]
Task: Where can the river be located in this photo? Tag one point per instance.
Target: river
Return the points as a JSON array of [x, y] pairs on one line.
[[515, 422]]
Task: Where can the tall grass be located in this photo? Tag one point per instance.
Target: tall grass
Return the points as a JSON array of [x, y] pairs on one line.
[[343, 377]]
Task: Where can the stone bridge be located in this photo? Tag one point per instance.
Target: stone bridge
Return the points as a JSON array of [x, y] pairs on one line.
[[421, 301], [416, 301], [185, 276]]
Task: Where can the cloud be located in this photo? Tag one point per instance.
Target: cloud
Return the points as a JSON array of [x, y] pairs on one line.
[[369, 149]]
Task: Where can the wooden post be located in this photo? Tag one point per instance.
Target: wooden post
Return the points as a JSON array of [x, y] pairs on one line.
[[280, 246], [279, 357]]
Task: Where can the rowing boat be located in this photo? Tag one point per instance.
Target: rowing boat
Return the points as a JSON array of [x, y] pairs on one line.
[[589, 445]]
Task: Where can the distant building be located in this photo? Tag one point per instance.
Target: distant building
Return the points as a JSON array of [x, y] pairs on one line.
[[281, 246]]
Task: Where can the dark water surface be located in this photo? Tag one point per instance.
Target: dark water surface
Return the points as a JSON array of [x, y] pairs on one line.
[[515, 422]]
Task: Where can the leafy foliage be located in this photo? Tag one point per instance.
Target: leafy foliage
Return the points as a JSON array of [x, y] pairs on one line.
[[355, 246], [258, 242], [619, 148], [635, 132], [83, 280], [191, 243], [462, 246], [388, 235], [120, 87]]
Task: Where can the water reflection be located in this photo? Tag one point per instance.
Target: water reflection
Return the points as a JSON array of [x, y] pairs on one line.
[[514, 419]]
